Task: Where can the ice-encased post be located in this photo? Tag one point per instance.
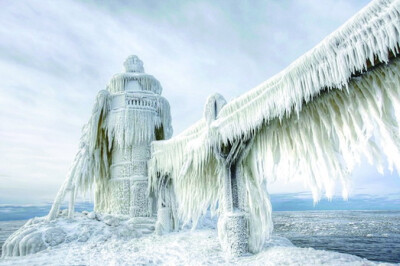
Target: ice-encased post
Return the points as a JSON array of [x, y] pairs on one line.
[[166, 215], [233, 227], [134, 121]]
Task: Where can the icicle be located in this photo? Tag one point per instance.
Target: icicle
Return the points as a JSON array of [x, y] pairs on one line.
[[329, 65], [147, 82], [87, 162]]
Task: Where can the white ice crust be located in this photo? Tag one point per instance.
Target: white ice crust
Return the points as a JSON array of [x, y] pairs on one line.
[[91, 242], [40, 234]]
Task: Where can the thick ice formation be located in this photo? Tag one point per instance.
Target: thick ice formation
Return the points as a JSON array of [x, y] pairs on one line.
[[115, 144], [200, 247], [112, 160], [315, 119], [40, 234]]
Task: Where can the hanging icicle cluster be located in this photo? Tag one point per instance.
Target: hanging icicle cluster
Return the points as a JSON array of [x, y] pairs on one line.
[[128, 126], [308, 121], [147, 82], [91, 163], [334, 131], [369, 36]]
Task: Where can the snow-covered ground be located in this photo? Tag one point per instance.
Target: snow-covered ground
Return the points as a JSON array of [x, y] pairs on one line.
[[199, 247]]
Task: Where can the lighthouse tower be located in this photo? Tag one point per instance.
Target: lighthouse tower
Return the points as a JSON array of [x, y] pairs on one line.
[[138, 114]]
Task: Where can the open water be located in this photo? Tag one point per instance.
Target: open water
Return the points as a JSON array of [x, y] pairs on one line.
[[374, 235]]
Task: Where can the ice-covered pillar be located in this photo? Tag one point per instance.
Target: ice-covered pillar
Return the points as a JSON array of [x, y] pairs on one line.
[[167, 219], [138, 115], [233, 227]]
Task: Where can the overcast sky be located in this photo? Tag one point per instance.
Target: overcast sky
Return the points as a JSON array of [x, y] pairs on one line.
[[56, 55]]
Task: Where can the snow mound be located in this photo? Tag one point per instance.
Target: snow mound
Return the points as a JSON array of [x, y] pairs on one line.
[[40, 234]]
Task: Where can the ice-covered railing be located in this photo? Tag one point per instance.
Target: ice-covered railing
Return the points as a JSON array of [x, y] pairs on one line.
[[311, 120], [368, 37]]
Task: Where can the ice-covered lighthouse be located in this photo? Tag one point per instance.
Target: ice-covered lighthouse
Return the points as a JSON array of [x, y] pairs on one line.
[[138, 115], [115, 144], [112, 160]]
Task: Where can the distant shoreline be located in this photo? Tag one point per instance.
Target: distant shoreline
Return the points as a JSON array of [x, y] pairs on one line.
[[280, 202]]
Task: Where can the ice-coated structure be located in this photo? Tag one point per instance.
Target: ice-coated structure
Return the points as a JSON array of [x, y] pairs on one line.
[[112, 160], [138, 115], [115, 145], [315, 120]]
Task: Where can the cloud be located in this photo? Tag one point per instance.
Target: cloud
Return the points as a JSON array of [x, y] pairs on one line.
[[56, 55]]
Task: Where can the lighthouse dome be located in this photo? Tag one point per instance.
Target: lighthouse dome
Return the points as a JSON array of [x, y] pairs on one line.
[[134, 78]]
